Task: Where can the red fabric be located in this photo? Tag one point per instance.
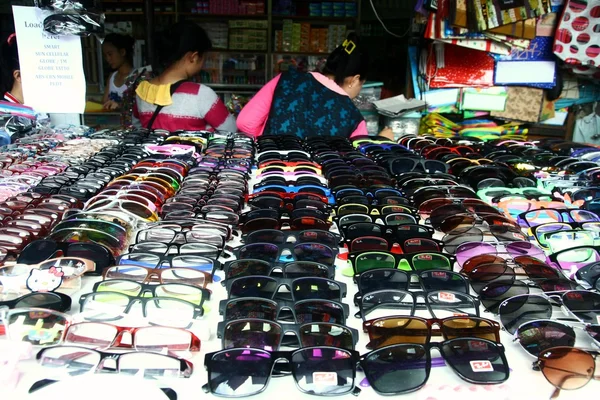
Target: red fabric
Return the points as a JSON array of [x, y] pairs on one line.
[[463, 67]]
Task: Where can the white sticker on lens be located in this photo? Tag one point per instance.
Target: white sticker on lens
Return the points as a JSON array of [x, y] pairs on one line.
[[446, 297], [481, 366], [325, 378]]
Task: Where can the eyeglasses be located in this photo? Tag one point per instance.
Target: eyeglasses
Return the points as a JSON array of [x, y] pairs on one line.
[[292, 270], [162, 249], [571, 259], [170, 233], [368, 260], [400, 330], [189, 293], [38, 326], [154, 261], [277, 253], [103, 336], [299, 289], [399, 233], [403, 368], [48, 300], [446, 303], [547, 215], [269, 335], [304, 189], [300, 312], [137, 273], [317, 370], [374, 243], [163, 311], [542, 232], [566, 367], [74, 361], [517, 310]]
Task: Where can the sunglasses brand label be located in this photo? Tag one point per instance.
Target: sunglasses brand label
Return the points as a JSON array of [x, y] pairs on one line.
[[574, 296], [424, 257], [481, 366], [413, 241], [325, 378], [439, 274], [446, 297], [477, 345]]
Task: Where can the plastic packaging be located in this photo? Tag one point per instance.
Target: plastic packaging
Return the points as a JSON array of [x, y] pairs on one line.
[[66, 17]]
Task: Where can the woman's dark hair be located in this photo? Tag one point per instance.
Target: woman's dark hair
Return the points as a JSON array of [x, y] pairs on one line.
[[122, 42], [349, 59], [178, 40], [9, 63]]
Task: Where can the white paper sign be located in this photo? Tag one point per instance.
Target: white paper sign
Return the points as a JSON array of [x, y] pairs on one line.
[[51, 66]]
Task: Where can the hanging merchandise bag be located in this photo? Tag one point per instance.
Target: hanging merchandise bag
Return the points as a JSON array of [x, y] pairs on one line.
[[577, 38]]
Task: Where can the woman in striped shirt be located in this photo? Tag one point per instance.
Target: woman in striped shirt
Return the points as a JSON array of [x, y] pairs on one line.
[[172, 101]]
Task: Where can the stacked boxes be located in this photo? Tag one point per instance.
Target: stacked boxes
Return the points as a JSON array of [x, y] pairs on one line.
[[332, 9], [306, 39], [228, 7], [248, 35]]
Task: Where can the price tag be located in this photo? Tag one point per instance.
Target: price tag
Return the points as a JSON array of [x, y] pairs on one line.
[[446, 297], [481, 366], [325, 378]]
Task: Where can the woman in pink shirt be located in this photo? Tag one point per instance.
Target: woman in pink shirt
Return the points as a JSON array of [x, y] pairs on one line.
[[313, 104]]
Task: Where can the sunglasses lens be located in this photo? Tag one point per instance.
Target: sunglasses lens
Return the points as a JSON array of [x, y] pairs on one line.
[[312, 288], [37, 252], [373, 260], [379, 279], [584, 305], [369, 244], [324, 371], [319, 311], [43, 300], [249, 376], [323, 237], [247, 267], [259, 251], [567, 368], [240, 309], [516, 311], [302, 269], [494, 293], [392, 330], [314, 252], [539, 336], [398, 369], [427, 261], [325, 334], [263, 335], [487, 273], [476, 360], [420, 245], [444, 280]]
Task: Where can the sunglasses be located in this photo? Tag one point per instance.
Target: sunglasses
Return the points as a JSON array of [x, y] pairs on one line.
[[304, 189], [468, 250], [439, 304], [399, 233], [317, 370], [374, 243], [404, 368], [273, 199], [518, 310], [267, 287], [278, 253], [278, 237], [494, 293], [395, 279], [269, 335], [292, 270], [566, 367], [368, 260], [300, 312], [170, 232], [387, 220], [400, 330]]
